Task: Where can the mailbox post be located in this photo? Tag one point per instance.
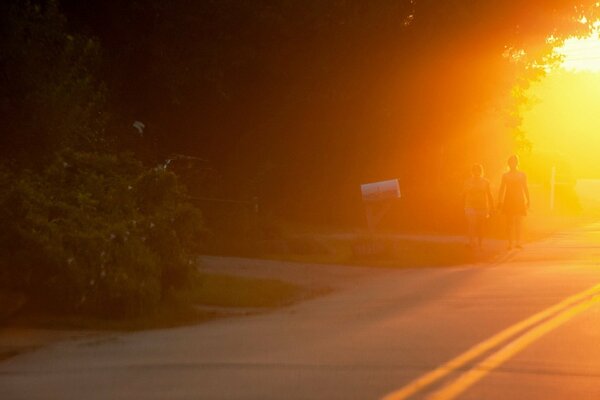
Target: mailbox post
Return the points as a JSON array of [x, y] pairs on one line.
[[378, 197]]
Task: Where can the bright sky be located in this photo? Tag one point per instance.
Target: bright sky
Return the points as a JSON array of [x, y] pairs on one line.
[[582, 53], [565, 115]]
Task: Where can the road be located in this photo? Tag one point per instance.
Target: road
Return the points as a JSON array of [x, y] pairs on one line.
[[524, 327]]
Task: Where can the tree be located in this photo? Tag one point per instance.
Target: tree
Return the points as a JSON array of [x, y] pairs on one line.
[[85, 227], [327, 94], [96, 233], [49, 95]]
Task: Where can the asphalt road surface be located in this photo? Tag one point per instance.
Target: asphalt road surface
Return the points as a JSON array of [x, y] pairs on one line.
[[524, 327]]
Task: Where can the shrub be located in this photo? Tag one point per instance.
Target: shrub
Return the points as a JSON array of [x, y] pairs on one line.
[[96, 233]]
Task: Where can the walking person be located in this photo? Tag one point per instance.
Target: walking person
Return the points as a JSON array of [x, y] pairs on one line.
[[514, 200], [478, 204]]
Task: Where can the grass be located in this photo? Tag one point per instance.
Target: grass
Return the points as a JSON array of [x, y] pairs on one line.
[[218, 292], [221, 290], [166, 315], [415, 253], [382, 251], [385, 250]]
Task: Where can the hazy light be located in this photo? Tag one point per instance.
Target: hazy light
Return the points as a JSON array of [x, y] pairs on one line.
[[581, 53], [561, 116]]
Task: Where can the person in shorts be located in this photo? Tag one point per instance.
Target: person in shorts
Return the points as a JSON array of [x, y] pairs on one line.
[[478, 204], [514, 200]]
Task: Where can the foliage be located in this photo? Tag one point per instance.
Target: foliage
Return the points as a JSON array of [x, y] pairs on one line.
[[83, 229], [96, 233], [331, 93], [49, 95]]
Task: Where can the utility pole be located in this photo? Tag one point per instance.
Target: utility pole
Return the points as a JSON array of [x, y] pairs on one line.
[[552, 187]]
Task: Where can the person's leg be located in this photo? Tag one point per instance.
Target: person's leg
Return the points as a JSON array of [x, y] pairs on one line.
[[471, 221], [518, 223], [480, 228], [509, 229]]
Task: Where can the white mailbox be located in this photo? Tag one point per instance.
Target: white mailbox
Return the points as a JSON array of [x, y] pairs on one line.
[[383, 190]]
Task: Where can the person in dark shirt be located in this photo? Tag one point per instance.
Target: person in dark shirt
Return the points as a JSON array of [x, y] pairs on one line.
[[478, 203], [514, 200]]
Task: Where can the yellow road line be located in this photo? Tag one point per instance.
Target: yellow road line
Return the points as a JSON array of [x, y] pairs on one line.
[[481, 348], [477, 373]]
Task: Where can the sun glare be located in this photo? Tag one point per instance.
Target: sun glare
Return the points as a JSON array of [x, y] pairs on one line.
[[562, 116], [581, 53]]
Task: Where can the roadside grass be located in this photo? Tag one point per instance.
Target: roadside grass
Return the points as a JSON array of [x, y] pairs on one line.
[[383, 251], [538, 226], [222, 290], [403, 253], [208, 297], [427, 249], [167, 315]]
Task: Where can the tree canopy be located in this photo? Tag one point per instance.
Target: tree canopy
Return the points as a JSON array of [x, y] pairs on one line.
[[282, 96], [86, 227], [297, 102]]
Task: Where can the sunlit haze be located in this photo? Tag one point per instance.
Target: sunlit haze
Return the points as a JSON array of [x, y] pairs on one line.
[[561, 117], [581, 53]]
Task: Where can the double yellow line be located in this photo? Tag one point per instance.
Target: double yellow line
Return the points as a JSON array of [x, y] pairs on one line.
[[523, 333]]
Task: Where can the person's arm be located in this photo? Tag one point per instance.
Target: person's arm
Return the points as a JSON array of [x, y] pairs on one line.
[[501, 192]]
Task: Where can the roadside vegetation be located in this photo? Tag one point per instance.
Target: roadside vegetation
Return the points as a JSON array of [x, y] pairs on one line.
[[414, 249], [207, 296], [99, 221], [220, 290], [93, 235]]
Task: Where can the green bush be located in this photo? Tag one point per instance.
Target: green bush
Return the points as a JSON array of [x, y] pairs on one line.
[[96, 233]]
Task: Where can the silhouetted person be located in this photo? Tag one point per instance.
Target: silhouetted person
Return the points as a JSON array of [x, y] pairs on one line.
[[514, 200], [478, 204]]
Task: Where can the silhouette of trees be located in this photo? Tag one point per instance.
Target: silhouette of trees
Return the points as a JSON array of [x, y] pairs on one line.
[[297, 102], [320, 94], [85, 227], [49, 96]]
